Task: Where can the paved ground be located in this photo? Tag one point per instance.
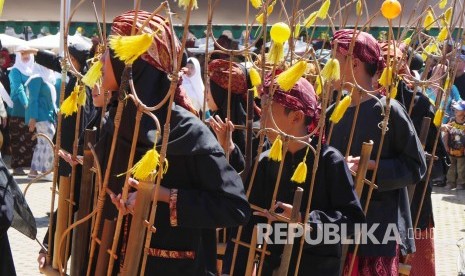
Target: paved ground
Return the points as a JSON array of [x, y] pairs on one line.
[[449, 210]]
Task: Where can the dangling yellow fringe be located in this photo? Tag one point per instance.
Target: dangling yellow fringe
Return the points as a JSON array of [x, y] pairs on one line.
[[146, 168], [93, 75], [429, 19], [430, 49], [323, 11], [2, 2], [255, 77], [442, 4], [408, 40], [447, 16], [287, 79], [129, 48], [320, 81], [185, 4], [443, 34], [82, 96], [297, 30], [393, 92], [70, 104], [438, 117], [358, 8], [341, 109], [255, 92], [276, 151], [447, 82], [300, 173], [276, 53], [269, 10], [256, 3], [332, 70], [310, 20], [386, 77]]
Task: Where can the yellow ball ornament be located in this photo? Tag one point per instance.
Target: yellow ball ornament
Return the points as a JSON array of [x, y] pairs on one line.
[[391, 9], [280, 32]]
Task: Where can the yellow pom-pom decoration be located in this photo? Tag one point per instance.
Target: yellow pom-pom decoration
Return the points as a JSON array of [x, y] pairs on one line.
[[300, 173], [310, 20], [320, 81], [438, 117], [429, 20], [256, 3], [391, 9], [443, 34], [280, 32], [332, 70], [129, 48], [255, 77], [287, 79], [269, 10], [386, 77], [185, 4], [340, 109], [358, 8], [70, 104], [93, 75], [276, 151], [323, 11], [442, 4], [82, 96]]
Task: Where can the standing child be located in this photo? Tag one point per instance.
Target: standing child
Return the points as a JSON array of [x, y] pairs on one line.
[[454, 141]]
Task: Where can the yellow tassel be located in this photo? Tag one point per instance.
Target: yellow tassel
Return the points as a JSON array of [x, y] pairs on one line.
[[256, 3], [310, 20], [447, 82], [129, 48], [82, 97], [287, 79], [146, 168], [255, 77], [276, 151], [442, 4], [297, 30], [269, 10], [185, 4], [341, 109], [429, 50], [323, 11], [429, 19], [255, 92], [408, 40], [320, 81], [448, 15], [443, 34], [332, 70], [358, 7], [93, 75], [386, 77], [70, 104], [300, 173], [2, 2], [438, 117], [393, 93], [276, 53]]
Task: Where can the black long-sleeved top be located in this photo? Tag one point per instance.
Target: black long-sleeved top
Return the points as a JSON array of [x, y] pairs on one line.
[[334, 201], [402, 163]]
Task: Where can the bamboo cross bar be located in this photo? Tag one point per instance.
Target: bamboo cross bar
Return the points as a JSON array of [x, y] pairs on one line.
[[251, 258], [295, 217], [81, 234]]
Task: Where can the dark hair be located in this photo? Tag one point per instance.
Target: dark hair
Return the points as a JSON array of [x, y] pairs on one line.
[[307, 119], [371, 68]]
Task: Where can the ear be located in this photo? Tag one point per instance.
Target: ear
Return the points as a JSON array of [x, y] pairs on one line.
[[297, 117], [356, 62]]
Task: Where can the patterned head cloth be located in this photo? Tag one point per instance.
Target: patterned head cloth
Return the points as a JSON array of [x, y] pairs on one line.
[[366, 47], [301, 97], [160, 54], [218, 70]]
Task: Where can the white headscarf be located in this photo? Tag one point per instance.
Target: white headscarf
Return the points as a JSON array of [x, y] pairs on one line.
[[48, 76], [194, 85], [26, 68]]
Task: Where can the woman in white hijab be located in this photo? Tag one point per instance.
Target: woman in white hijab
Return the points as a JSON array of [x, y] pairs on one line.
[[193, 84], [20, 137], [40, 115]]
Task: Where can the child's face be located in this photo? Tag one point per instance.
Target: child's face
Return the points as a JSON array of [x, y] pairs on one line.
[[459, 113]]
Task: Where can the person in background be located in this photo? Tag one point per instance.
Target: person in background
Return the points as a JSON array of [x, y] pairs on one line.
[[20, 137], [459, 80], [40, 116], [193, 84]]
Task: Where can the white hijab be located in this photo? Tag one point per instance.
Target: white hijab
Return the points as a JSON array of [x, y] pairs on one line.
[[26, 68], [194, 85]]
